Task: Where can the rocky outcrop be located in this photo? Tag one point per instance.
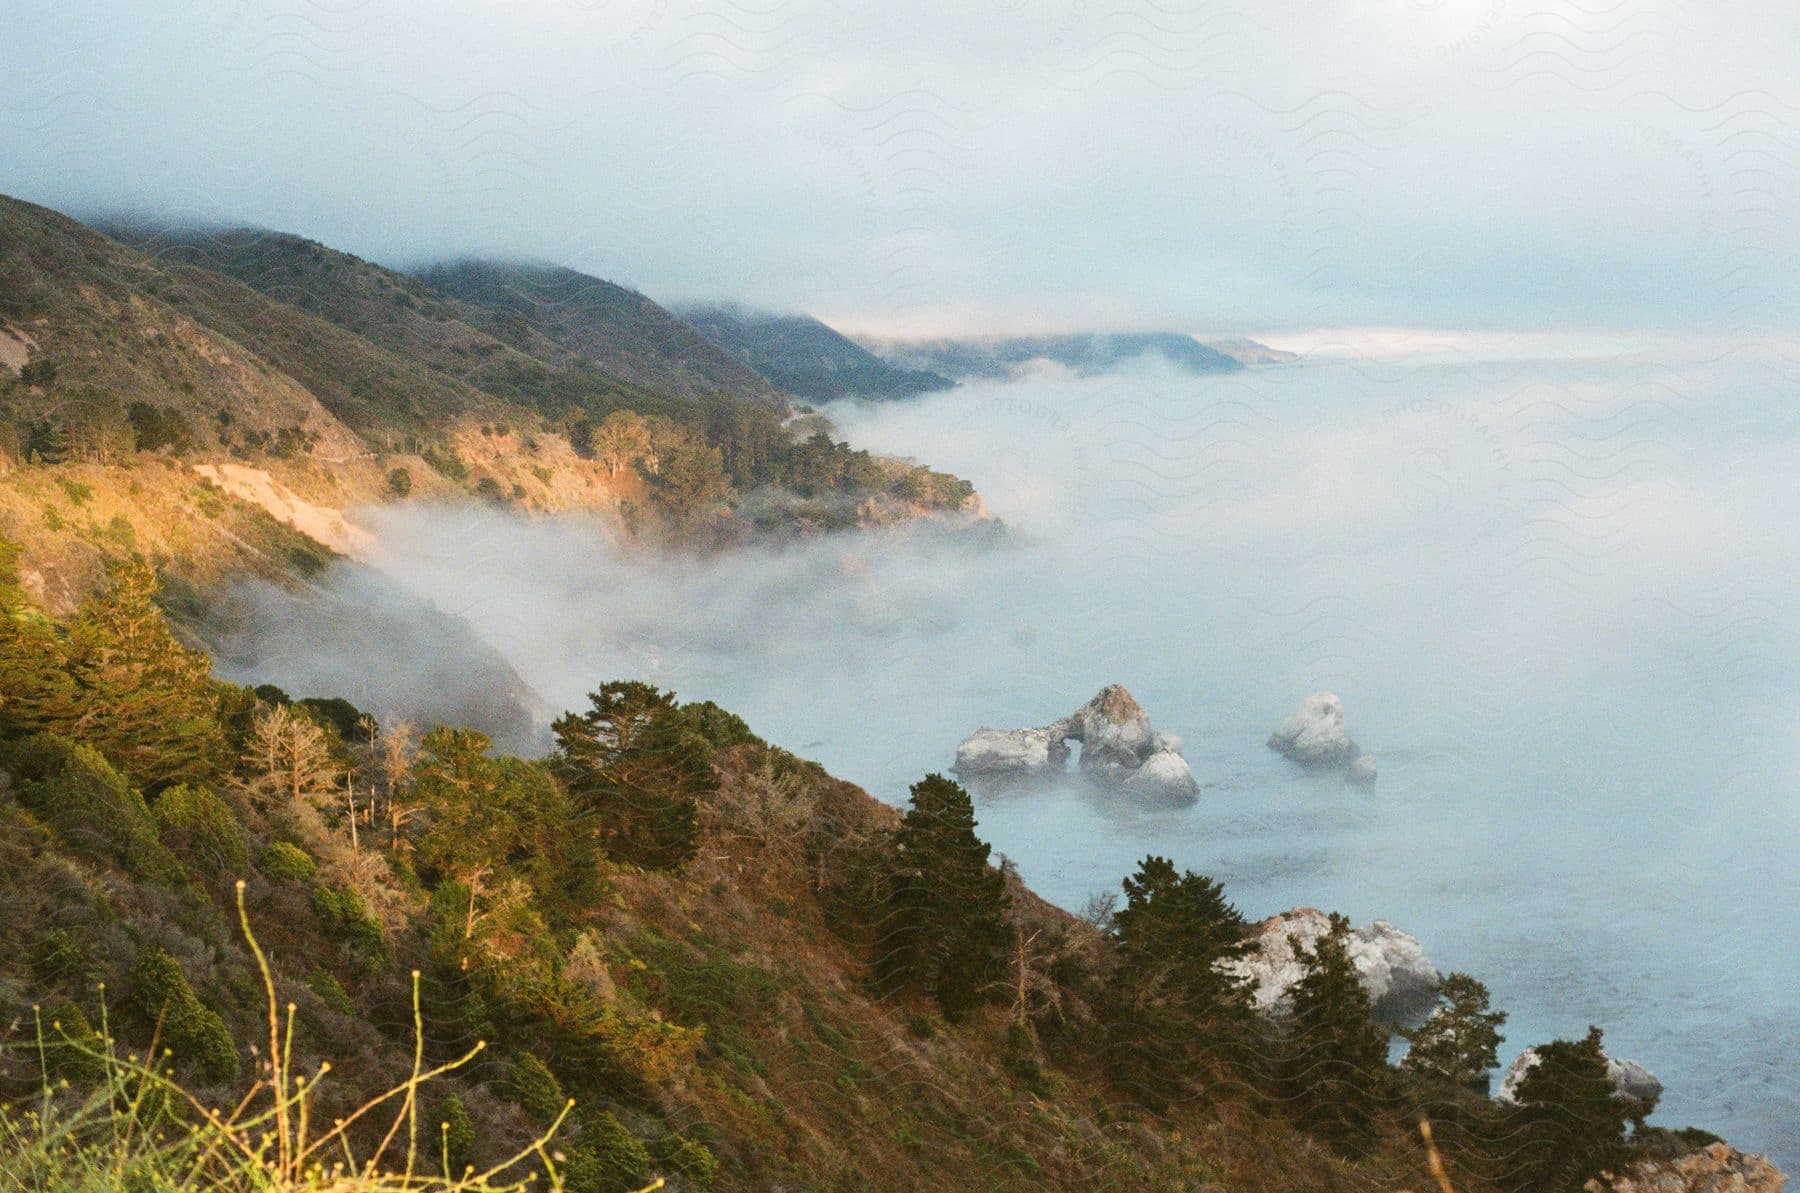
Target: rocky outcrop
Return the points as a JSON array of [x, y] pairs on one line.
[[1314, 737], [1010, 754], [1631, 1081], [1163, 775], [1119, 747], [1717, 1168], [1400, 978], [1113, 729]]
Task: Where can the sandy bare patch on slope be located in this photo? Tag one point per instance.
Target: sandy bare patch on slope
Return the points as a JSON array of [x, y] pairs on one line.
[[15, 348], [317, 522]]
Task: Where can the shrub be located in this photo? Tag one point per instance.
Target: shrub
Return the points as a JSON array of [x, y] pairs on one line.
[[693, 1162], [447, 463], [39, 372], [535, 1088], [399, 482], [120, 530], [72, 1048], [349, 920], [200, 827], [91, 806], [283, 862], [59, 955], [331, 991], [456, 1136], [607, 1158], [157, 427], [193, 1031]]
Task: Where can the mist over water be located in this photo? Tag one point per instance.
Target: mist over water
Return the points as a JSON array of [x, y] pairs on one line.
[[1557, 595]]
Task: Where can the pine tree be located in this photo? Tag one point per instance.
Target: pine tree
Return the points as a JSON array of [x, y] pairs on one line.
[[1460, 1040], [1337, 1061], [37, 693], [472, 832], [1170, 1007], [499, 822], [146, 701], [1567, 1122], [635, 769], [945, 925], [12, 594]]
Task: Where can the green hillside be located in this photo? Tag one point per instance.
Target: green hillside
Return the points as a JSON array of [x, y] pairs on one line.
[[743, 973], [596, 321]]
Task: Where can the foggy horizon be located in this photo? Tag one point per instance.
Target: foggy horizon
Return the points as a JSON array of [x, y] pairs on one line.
[[1420, 163]]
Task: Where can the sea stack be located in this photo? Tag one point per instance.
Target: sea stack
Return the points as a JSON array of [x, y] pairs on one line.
[[1119, 748], [1314, 737]]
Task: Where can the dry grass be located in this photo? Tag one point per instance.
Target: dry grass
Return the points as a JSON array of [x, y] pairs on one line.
[[139, 1129]]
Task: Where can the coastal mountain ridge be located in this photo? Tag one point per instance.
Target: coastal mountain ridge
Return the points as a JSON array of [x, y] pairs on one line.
[[1086, 354], [807, 359], [132, 360]]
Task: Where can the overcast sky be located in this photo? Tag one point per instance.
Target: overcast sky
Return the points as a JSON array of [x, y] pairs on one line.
[[977, 164]]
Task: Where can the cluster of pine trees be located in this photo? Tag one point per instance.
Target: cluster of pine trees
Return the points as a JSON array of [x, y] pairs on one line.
[[481, 871], [1173, 1023]]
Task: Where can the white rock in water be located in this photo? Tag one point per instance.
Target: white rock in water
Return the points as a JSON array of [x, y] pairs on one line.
[[1363, 769], [1314, 737], [1164, 775], [1113, 729], [1016, 752], [1631, 1081], [1118, 746], [1394, 969], [1400, 978]]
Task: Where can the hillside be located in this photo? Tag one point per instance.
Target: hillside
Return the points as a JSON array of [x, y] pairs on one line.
[[1086, 354], [126, 366], [807, 359], [718, 951], [605, 324]]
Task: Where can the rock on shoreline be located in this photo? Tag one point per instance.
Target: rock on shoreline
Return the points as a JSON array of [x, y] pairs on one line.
[[1401, 980], [1716, 1168], [1631, 1081]]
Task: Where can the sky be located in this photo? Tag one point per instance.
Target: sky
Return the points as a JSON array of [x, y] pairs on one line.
[[970, 165]]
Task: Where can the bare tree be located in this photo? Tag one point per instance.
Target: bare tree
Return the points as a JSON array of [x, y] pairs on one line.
[[289, 760], [622, 438]]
